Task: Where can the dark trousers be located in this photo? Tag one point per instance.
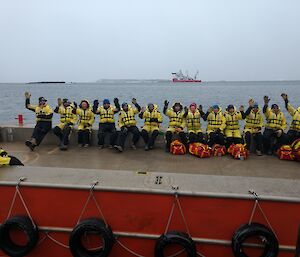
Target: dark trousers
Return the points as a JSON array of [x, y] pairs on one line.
[[40, 130], [196, 138], [124, 133], [63, 134], [271, 142], [169, 136], [233, 140], [257, 137], [291, 136], [15, 161], [84, 136], [107, 129], [216, 138], [149, 140]]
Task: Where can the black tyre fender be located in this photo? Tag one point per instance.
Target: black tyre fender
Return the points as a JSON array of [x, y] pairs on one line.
[[255, 230], [21, 222], [175, 237], [92, 225]]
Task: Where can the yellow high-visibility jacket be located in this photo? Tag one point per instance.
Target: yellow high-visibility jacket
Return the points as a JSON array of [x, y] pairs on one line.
[[128, 118], [295, 113], [275, 121], [107, 115]]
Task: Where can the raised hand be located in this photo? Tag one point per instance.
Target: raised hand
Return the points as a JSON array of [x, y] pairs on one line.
[[59, 101], [266, 99], [242, 108], [133, 101], [284, 96], [200, 108], [166, 103], [27, 95], [251, 102]]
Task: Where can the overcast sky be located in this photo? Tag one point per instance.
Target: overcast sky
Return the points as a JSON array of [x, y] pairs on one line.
[[88, 40]]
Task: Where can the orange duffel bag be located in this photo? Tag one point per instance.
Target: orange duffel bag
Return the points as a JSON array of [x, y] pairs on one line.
[[238, 151], [296, 149], [218, 150], [200, 150], [285, 152], [177, 148]]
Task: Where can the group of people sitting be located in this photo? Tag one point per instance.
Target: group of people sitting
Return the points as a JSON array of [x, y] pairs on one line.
[[222, 127]]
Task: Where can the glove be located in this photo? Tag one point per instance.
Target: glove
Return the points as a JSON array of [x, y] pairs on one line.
[[27, 95], [96, 103], [284, 96], [75, 104], [166, 103], [116, 101], [279, 133], [242, 108], [200, 108], [266, 99], [186, 109], [133, 101]]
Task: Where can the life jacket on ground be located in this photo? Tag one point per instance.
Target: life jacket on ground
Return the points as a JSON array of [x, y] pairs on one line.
[[253, 121], [177, 148], [218, 150], [238, 151], [296, 149], [86, 117], [107, 115], [232, 120], [295, 113], [285, 152], [176, 119], [67, 115], [193, 121], [200, 150], [4, 158], [275, 121], [215, 121], [128, 118], [149, 116]]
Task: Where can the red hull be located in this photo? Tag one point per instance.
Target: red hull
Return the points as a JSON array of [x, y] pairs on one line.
[[177, 80], [147, 213]]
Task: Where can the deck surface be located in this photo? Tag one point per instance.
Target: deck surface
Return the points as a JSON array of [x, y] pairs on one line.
[[153, 161]]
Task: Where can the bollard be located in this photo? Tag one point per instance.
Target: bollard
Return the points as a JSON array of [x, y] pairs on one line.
[[20, 119]]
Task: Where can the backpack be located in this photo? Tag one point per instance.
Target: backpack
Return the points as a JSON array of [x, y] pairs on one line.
[[218, 150], [296, 149], [200, 150], [177, 148], [285, 152], [238, 151]]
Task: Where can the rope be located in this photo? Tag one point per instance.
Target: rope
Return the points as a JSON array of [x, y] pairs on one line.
[[56, 241], [91, 195], [128, 250], [18, 192], [257, 204]]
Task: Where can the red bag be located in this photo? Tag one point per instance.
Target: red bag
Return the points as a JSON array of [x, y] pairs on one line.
[[238, 151], [285, 152], [296, 149], [218, 150], [177, 148], [200, 150]]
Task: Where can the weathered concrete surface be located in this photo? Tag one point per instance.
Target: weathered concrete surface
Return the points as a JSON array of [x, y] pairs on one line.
[[131, 181], [153, 161]]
